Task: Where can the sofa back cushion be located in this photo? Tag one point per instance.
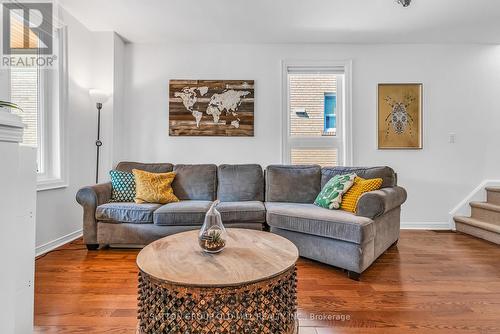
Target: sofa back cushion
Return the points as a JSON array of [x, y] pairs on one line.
[[297, 184], [387, 174], [127, 166], [195, 182], [240, 183]]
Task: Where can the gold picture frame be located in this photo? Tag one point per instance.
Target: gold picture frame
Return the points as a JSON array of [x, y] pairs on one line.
[[399, 116]]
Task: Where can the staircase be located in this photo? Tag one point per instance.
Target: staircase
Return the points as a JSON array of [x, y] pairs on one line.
[[484, 221]]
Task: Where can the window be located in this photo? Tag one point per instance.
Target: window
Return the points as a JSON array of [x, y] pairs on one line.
[[307, 99], [24, 88], [306, 156], [315, 113], [41, 93], [330, 117]]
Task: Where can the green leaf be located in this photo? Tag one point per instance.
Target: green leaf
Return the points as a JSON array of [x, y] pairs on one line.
[[334, 195], [6, 104]]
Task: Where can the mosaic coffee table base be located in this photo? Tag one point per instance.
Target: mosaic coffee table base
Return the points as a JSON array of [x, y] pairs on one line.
[[264, 307], [248, 288]]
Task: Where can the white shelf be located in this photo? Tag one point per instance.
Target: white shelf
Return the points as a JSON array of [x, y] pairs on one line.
[[17, 224], [11, 127]]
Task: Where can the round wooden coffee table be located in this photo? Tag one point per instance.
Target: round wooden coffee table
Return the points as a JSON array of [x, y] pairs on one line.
[[250, 287]]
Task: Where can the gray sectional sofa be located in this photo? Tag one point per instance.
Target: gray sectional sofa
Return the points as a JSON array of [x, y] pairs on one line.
[[281, 200]]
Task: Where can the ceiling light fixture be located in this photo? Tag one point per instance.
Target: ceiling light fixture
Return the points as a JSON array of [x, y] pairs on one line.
[[404, 3]]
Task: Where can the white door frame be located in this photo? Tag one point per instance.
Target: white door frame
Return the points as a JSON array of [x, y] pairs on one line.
[[346, 113]]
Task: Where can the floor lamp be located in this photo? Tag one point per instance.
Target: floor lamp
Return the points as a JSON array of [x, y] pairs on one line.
[[98, 97]]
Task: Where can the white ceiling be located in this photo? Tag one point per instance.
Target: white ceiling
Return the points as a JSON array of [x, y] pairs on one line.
[[293, 21]]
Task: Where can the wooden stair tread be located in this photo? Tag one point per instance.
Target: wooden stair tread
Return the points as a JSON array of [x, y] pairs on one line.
[[486, 206], [493, 189], [477, 223]]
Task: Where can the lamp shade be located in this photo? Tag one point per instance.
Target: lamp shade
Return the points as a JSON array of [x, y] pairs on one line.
[[98, 96]]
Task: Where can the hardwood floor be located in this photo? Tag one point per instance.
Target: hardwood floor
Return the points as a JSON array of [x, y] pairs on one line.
[[431, 282]]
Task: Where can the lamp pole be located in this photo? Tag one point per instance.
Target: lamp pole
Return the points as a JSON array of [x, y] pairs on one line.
[[98, 142], [99, 97]]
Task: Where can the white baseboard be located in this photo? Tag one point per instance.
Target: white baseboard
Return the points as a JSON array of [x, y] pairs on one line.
[[47, 247], [425, 226]]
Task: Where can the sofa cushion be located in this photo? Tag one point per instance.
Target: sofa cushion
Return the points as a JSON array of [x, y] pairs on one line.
[[331, 194], [360, 186], [182, 213], [123, 186], [297, 184], [242, 212], [154, 187], [127, 166], [387, 174], [240, 183], [310, 219], [195, 182], [126, 212]]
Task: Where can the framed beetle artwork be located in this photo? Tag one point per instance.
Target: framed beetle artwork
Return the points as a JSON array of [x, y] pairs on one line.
[[400, 116]]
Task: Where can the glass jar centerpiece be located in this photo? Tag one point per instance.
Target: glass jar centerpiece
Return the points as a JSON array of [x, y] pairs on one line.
[[213, 235]]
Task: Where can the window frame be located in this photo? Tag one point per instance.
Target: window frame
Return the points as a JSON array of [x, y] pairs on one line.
[[343, 138], [51, 120], [56, 155]]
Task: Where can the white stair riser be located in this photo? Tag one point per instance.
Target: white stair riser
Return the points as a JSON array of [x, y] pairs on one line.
[[486, 215], [478, 232], [493, 197]]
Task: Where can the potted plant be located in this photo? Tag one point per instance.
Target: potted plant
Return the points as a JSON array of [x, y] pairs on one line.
[[9, 105], [213, 235]]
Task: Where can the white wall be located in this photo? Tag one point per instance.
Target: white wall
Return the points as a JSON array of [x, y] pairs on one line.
[[90, 65], [4, 85], [4, 77], [118, 97], [58, 214], [461, 83], [103, 72]]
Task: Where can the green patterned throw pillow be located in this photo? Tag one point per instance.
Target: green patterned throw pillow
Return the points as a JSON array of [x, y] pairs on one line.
[[123, 185], [330, 196]]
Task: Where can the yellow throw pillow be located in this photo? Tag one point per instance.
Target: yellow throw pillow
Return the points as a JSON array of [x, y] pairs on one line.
[[360, 186], [154, 187]]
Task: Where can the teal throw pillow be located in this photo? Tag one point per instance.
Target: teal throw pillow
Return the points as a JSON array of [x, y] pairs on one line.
[[330, 196], [123, 185]]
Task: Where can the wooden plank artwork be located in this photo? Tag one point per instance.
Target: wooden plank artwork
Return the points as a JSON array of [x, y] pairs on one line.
[[211, 108]]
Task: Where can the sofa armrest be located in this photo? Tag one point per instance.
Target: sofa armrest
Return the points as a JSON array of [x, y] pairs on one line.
[[375, 203], [90, 198]]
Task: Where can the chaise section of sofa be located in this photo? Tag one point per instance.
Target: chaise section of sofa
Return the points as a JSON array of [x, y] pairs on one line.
[[336, 237]]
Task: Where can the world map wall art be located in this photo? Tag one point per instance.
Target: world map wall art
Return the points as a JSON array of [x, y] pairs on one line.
[[211, 108], [400, 116]]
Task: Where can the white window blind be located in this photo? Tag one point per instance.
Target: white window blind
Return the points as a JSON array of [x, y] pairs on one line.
[[24, 85], [24, 92]]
